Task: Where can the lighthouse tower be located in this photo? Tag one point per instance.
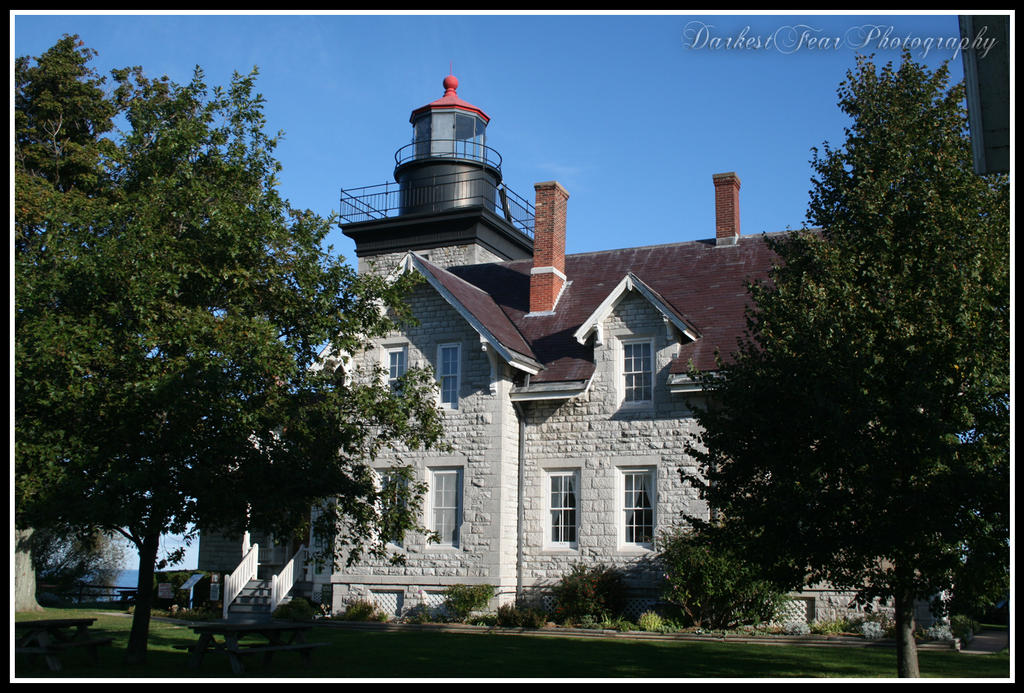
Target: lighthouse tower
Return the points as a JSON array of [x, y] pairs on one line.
[[448, 202]]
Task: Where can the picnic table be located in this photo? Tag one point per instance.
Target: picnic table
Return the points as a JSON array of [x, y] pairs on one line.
[[281, 636], [50, 638]]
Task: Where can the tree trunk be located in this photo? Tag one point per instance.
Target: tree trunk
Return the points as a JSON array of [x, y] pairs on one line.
[[139, 637], [906, 646], [24, 573]]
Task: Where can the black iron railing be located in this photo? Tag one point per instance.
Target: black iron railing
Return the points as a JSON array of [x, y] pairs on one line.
[[465, 150], [437, 194]]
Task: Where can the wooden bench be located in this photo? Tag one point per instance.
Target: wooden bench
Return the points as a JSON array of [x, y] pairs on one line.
[[305, 649], [283, 637], [49, 639]]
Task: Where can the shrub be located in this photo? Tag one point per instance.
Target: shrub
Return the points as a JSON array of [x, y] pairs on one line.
[[883, 624], [836, 627], [418, 614], [201, 613], [510, 616], [296, 610], [712, 585], [461, 600], [651, 622], [963, 627], [872, 630], [796, 628], [939, 631], [595, 592], [363, 610], [619, 624]]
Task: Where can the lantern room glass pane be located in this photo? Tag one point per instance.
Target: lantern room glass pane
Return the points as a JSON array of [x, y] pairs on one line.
[[469, 136], [442, 134]]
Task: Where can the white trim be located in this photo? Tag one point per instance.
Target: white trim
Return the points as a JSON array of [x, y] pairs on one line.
[[679, 383], [433, 474], [539, 391], [549, 543], [388, 350], [548, 270], [651, 472], [516, 360], [492, 360], [441, 375], [630, 282], [620, 358], [381, 477]]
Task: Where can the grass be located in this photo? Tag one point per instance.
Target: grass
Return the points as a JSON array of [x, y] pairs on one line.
[[425, 654]]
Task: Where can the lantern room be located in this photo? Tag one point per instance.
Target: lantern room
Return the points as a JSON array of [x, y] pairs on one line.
[[448, 128]]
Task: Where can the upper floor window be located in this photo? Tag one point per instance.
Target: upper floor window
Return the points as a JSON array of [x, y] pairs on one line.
[[448, 361], [637, 372], [398, 364]]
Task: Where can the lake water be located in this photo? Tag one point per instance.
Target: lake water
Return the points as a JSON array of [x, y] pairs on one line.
[[127, 578]]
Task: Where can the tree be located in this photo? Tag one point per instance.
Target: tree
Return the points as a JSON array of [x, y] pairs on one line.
[[64, 556], [60, 119], [170, 323], [860, 434]]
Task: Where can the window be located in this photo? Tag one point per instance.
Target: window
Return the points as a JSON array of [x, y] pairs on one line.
[[448, 374], [446, 505], [638, 506], [394, 490], [398, 364], [564, 507], [637, 372]]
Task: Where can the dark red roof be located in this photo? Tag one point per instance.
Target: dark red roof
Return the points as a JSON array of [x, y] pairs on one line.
[[482, 306], [704, 283]]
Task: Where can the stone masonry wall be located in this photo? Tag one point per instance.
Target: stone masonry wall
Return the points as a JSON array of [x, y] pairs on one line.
[[480, 433], [449, 256], [598, 437]]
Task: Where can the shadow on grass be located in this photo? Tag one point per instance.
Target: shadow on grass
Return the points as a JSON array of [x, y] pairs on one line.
[[424, 654]]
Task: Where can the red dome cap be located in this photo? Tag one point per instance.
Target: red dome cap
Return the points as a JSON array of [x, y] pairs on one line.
[[449, 100]]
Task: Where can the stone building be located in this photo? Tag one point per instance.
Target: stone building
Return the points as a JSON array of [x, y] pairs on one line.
[[563, 377]]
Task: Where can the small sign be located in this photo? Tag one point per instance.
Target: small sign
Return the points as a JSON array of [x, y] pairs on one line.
[[215, 592], [191, 581], [165, 590]]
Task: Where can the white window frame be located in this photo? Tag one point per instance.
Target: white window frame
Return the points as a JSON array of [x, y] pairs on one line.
[[389, 351], [550, 508], [626, 509], [442, 375], [446, 538], [623, 374], [383, 476]]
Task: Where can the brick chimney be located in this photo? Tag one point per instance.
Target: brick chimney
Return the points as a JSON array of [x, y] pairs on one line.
[[727, 208], [547, 277]]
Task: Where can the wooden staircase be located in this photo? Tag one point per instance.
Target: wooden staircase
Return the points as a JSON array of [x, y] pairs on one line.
[[253, 602], [257, 598]]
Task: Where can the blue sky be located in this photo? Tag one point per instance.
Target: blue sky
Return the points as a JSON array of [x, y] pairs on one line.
[[631, 113]]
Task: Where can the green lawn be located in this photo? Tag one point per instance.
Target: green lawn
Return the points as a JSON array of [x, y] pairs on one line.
[[420, 654]]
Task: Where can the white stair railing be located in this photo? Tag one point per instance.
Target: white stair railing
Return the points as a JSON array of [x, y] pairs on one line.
[[245, 571], [281, 584]]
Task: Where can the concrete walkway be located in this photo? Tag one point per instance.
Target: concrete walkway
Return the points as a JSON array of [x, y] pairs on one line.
[[988, 641]]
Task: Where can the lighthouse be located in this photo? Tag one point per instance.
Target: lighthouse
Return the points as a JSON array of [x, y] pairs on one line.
[[448, 202]]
